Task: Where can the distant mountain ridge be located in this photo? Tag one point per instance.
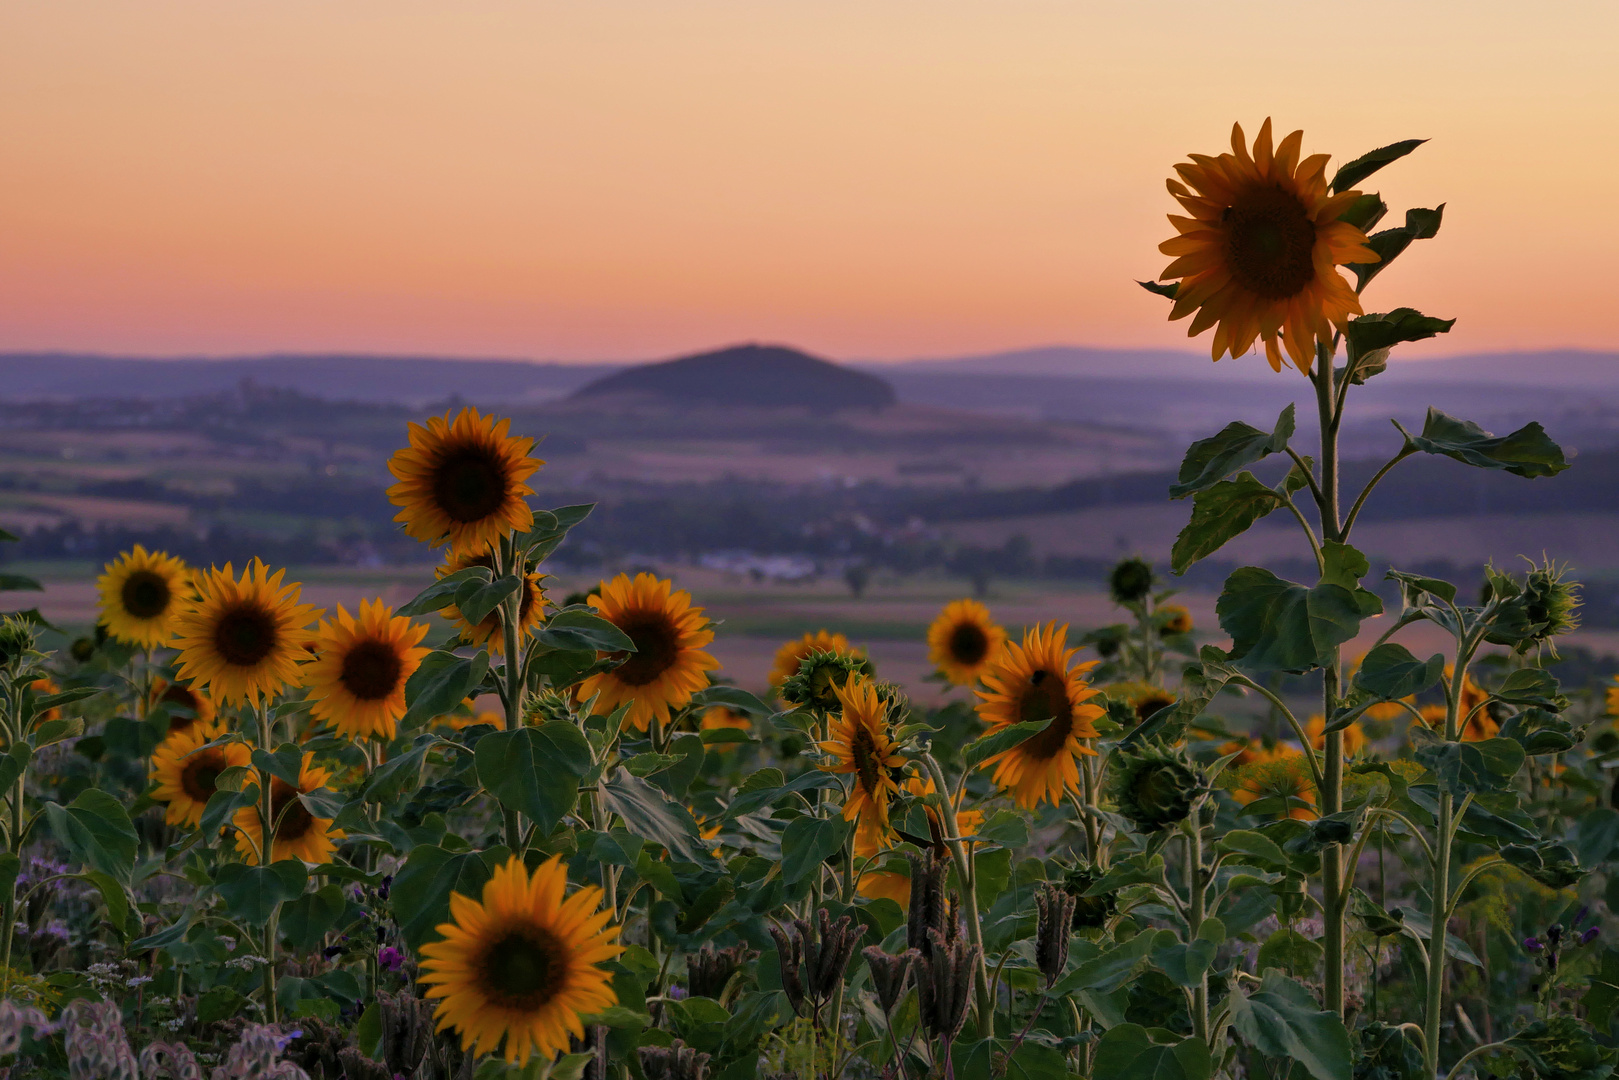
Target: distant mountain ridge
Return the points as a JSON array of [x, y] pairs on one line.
[[750, 376]]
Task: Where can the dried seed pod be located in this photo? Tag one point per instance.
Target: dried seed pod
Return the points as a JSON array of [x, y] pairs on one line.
[[790, 950], [838, 941], [709, 971], [888, 973], [1051, 931], [677, 1061], [944, 985], [927, 909]]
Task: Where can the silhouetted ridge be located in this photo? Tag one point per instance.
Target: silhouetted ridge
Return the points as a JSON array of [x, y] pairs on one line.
[[748, 375]]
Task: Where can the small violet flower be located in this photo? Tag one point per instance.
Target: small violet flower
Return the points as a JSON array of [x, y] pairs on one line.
[[390, 958], [1532, 944]]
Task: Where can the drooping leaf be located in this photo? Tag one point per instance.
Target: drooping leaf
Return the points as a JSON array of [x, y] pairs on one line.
[[1370, 337], [550, 529], [1420, 224], [1007, 738], [442, 682], [1106, 973], [1277, 625], [1220, 514], [1527, 452], [1532, 686], [1389, 672], [1562, 1048], [96, 828], [807, 842], [1353, 172], [1468, 767], [1551, 863], [1282, 1019], [475, 599], [1416, 587], [1237, 446], [1417, 926], [572, 630], [421, 890], [535, 770], [254, 893], [441, 594], [734, 698], [1127, 1052], [652, 815]]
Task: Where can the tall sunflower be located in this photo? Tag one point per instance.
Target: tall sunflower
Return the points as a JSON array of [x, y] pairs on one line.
[[358, 683], [188, 708], [668, 665], [298, 833], [522, 965], [489, 632], [792, 654], [1257, 258], [186, 775], [141, 593], [864, 749], [1034, 682], [963, 641], [462, 482], [242, 640]]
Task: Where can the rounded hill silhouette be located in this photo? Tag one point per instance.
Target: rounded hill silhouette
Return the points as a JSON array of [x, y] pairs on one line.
[[755, 376]]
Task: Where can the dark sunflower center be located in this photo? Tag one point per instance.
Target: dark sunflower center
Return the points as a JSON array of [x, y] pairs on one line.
[[371, 670], [245, 635], [1270, 242], [1151, 704], [523, 969], [1045, 697], [657, 645], [293, 822], [145, 595], [470, 483], [864, 751], [182, 697], [968, 644], [200, 777]]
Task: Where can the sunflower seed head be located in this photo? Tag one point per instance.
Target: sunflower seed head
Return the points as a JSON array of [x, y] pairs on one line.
[[1051, 932], [888, 973], [1130, 580]]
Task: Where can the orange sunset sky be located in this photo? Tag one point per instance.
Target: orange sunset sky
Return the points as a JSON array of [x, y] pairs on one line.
[[622, 179]]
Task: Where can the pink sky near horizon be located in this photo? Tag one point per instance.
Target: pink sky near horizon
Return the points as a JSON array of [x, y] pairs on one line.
[[881, 179]]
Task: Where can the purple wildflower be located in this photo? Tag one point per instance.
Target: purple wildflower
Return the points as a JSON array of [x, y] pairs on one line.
[[1532, 944], [1590, 935], [390, 958]]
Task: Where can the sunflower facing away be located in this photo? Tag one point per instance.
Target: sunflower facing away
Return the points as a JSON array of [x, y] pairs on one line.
[[1257, 258], [522, 965], [668, 665], [864, 749], [186, 776], [358, 683], [792, 654], [1033, 681], [963, 641], [298, 833], [242, 640], [141, 593], [188, 708], [1277, 773], [489, 633], [461, 482]]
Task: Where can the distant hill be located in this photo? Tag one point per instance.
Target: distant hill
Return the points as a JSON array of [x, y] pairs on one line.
[[755, 376]]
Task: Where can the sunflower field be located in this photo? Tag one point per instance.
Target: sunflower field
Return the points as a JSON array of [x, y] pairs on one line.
[[501, 832]]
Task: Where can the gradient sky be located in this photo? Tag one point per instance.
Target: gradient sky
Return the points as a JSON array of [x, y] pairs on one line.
[[620, 179]]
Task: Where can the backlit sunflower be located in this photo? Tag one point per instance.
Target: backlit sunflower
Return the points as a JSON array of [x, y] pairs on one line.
[[242, 640], [524, 964], [1354, 735], [489, 632], [792, 654], [141, 593], [1277, 773], [668, 665], [963, 641], [1034, 682], [298, 833], [1257, 258], [188, 708], [186, 776], [461, 482], [358, 683], [863, 748]]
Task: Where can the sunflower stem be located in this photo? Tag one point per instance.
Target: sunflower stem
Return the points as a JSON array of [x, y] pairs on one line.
[[510, 616], [267, 826], [1330, 414]]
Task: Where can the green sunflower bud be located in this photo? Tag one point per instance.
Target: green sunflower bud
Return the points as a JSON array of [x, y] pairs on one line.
[[1090, 912], [1541, 608], [1130, 581], [820, 675], [17, 640], [1154, 787], [545, 706]]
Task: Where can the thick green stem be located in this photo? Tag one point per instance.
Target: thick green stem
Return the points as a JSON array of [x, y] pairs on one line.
[[1194, 909], [510, 619], [267, 826], [1332, 857]]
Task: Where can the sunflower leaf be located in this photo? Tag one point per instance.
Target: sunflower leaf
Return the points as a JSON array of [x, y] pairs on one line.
[[1369, 338], [475, 599], [1162, 289], [807, 842], [1127, 1052], [545, 537], [580, 630], [652, 815], [256, 893], [1463, 768], [1237, 445], [1527, 452], [1365, 212], [442, 682], [535, 770], [734, 698], [1007, 738], [1352, 173], [421, 890], [96, 828], [1282, 1019], [1276, 625], [1420, 224], [1220, 514], [1390, 672], [18, 583], [441, 594]]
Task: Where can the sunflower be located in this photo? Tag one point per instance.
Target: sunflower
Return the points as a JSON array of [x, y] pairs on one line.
[[461, 482], [668, 665], [298, 833], [792, 654], [185, 774], [1034, 682], [1479, 726], [242, 640], [141, 593], [1354, 735], [1174, 619], [863, 748], [358, 684], [188, 708], [524, 964], [489, 632], [1258, 255], [1278, 773], [1143, 698], [963, 641]]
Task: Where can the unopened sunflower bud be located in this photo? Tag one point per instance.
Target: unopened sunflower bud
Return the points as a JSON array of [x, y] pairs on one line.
[[888, 974], [1154, 786], [1051, 931], [17, 640], [820, 675], [1130, 581], [709, 971], [944, 981]]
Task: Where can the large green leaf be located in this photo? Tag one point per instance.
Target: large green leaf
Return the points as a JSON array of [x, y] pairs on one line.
[[1419, 224], [1127, 1052], [1603, 995], [734, 698], [1370, 337], [1389, 672], [441, 594], [652, 815], [1237, 446], [96, 828], [254, 893], [1112, 969], [1532, 686], [1463, 768], [442, 682], [19, 583], [1353, 172], [535, 770], [807, 842], [1527, 452], [1220, 514], [1007, 738], [550, 529], [1276, 625], [574, 630], [1281, 1019], [474, 600], [1562, 1048], [1552, 864], [421, 890]]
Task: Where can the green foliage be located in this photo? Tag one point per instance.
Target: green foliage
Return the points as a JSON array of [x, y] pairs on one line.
[[1281, 1019], [1526, 452]]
